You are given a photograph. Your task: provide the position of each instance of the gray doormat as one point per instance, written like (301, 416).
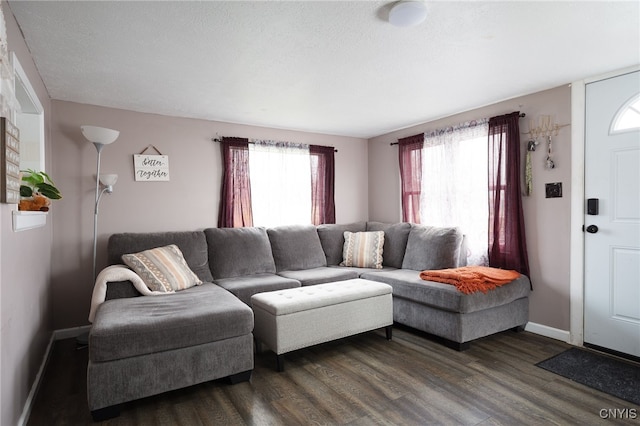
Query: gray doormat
(601, 372)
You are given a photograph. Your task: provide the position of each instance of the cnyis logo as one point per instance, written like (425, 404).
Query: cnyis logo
(619, 413)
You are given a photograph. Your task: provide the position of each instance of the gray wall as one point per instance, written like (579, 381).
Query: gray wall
(25, 260)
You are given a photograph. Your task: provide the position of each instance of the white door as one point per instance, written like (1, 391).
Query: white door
(612, 236)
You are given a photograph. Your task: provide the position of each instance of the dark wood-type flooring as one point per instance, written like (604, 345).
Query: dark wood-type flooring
(361, 380)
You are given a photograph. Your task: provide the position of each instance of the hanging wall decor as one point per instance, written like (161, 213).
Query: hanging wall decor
(151, 167)
(10, 158)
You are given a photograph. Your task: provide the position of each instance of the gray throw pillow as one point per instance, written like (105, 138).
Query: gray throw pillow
(296, 247)
(430, 247)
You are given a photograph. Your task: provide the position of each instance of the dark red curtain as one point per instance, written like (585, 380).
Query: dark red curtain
(410, 155)
(323, 206)
(235, 197)
(507, 241)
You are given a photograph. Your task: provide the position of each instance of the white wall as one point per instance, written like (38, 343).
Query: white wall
(546, 220)
(188, 201)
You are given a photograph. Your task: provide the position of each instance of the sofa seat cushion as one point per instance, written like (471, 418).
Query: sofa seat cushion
(125, 328)
(245, 287)
(407, 284)
(323, 274)
(361, 271)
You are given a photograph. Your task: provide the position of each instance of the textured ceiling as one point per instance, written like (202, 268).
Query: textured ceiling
(335, 67)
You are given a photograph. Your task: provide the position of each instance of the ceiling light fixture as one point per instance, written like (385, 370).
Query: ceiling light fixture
(408, 13)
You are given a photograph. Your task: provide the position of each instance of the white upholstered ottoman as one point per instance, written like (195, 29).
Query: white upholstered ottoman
(286, 320)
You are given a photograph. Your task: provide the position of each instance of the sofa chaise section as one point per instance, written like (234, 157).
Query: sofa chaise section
(440, 309)
(142, 346)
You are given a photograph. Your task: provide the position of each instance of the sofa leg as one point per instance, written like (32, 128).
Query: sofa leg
(245, 376)
(457, 345)
(518, 329)
(388, 331)
(105, 413)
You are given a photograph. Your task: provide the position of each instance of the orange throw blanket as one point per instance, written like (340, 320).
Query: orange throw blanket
(470, 279)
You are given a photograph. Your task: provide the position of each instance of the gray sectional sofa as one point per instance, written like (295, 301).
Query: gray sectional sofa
(141, 346)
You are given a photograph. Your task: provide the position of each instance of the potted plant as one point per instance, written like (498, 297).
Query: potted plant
(37, 191)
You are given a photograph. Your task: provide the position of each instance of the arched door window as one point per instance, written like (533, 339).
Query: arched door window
(628, 117)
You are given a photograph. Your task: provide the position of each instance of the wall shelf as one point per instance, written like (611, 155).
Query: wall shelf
(23, 220)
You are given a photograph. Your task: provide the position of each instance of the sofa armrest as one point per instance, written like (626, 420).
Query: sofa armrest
(121, 290)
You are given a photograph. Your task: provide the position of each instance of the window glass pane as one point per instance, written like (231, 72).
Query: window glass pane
(454, 187)
(280, 185)
(628, 118)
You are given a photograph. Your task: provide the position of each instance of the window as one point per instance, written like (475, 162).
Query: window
(29, 118)
(628, 118)
(454, 184)
(469, 177)
(280, 183)
(269, 183)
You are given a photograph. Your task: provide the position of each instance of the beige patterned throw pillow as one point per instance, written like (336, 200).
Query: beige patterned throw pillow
(162, 269)
(363, 249)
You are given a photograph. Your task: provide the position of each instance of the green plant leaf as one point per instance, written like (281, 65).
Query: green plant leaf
(25, 191)
(47, 177)
(49, 191)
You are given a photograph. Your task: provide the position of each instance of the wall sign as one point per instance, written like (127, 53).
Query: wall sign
(151, 167)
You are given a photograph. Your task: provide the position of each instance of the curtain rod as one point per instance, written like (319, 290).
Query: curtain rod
(217, 139)
(522, 115)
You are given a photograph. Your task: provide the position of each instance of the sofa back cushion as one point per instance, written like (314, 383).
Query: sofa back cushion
(235, 252)
(193, 246)
(395, 241)
(296, 247)
(332, 239)
(430, 247)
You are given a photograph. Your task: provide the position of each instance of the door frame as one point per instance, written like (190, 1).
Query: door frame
(576, 269)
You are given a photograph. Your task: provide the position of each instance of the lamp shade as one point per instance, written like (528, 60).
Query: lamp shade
(99, 135)
(108, 179)
(408, 13)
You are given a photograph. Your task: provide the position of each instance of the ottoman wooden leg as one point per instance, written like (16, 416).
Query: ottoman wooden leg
(280, 362)
(389, 331)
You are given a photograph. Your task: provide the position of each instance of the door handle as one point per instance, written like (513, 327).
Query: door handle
(592, 229)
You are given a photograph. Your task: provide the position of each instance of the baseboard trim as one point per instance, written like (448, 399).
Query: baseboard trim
(545, 330)
(28, 404)
(66, 333)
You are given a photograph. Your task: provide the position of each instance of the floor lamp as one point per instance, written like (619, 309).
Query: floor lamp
(100, 137)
